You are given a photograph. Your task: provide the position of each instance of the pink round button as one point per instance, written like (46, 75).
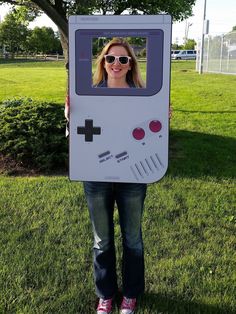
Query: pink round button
(155, 126)
(138, 133)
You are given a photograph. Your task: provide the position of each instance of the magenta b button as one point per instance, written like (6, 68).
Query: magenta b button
(138, 133)
(155, 126)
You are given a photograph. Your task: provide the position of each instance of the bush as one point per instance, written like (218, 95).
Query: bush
(33, 133)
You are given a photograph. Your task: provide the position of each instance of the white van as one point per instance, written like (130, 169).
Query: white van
(174, 52)
(185, 55)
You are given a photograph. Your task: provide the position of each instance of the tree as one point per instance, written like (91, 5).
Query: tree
(13, 34)
(137, 41)
(43, 40)
(234, 28)
(25, 15)
(175, 46)
(190, 44)
(59, 10)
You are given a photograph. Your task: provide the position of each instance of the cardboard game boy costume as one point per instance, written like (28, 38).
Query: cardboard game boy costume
(119, 134)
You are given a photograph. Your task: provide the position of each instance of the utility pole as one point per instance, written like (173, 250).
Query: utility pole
(187, 25)
(202, 39)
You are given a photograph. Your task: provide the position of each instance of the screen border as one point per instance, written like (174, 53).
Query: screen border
(83, 62)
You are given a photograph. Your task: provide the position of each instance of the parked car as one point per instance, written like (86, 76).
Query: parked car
(174, 52)
(184, 55)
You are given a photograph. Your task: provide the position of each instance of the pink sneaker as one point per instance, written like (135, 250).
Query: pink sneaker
(104, 306)
(127, 306)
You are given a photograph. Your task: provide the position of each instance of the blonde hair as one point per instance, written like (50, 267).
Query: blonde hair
(133, 75)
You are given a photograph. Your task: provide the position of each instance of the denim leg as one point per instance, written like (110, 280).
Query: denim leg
(130, 199)
(100, 202)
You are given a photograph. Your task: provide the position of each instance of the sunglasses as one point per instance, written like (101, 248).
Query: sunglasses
(121, 59)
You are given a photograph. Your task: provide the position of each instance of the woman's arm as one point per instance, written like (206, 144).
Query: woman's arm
(67, 107)
(67, 113)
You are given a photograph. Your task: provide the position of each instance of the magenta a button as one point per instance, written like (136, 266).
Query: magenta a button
(155, 126)
(138, 133)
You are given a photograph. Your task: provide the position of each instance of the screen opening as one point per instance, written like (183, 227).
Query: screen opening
(121, 60)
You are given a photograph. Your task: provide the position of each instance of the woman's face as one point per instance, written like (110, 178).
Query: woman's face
(117, 70)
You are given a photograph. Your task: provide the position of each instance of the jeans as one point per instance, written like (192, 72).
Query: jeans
(129, 197)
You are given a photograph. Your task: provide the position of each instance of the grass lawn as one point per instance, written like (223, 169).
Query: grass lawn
(189, 222)
(42, 80)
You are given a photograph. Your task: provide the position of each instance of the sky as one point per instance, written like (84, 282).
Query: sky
(221, 14)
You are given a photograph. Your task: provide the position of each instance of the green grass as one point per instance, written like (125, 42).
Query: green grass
(37, 80)
(189, 220)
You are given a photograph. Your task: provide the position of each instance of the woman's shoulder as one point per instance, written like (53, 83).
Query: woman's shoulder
(101, 84)
(104, 84)
(131, 84)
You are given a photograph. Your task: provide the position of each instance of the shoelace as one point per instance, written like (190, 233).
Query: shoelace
(128, 303)
(104, 305)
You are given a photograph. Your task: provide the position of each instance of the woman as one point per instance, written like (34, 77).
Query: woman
(117, 67)
(117, 73)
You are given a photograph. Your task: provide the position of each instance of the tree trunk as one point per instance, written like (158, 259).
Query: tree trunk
(65, 47)
(57, 14)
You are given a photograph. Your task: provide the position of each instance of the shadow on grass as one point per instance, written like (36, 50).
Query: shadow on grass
(205, 111)
(24, 60)
(194, 154)
(160, 304)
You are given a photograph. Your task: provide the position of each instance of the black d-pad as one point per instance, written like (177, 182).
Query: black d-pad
(88, 130)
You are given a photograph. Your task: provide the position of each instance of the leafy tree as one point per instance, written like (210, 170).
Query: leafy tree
(25, 15)
(57, 48)
(176, 47)
(13, 34)
(137, 41)
(190, 44)
(43, 40)
(59, 10)
(98, 44)
(234, 28)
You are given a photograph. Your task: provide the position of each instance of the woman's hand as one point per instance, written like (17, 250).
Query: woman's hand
(67, 108)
